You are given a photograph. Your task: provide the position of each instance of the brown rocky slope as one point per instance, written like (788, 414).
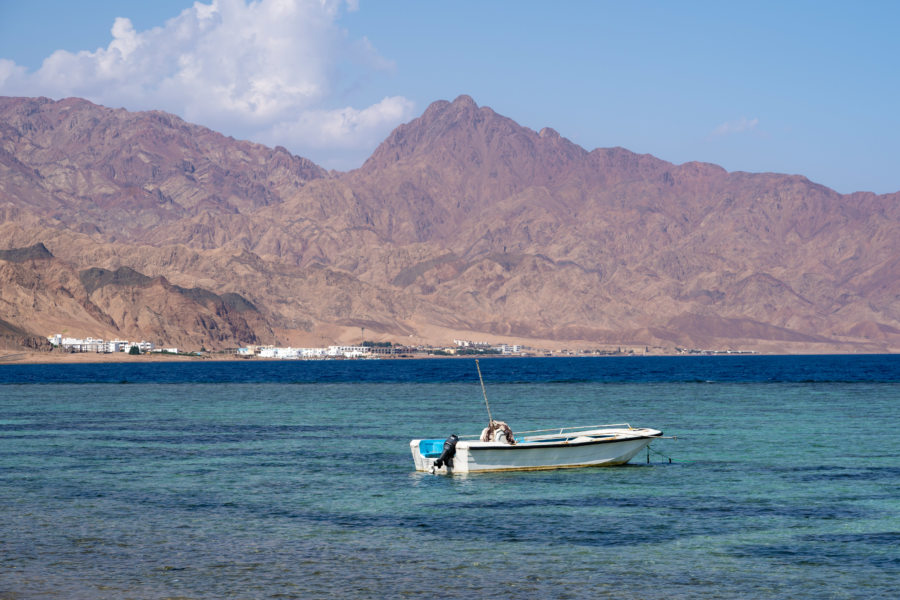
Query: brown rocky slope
(117, 304)
(461, 224)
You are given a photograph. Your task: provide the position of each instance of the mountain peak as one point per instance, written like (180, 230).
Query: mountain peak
(549, 132)
(464, 101)
(463, 108)
(462, 133)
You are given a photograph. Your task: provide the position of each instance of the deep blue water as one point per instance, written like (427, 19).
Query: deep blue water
(294, 480)
(742, 369)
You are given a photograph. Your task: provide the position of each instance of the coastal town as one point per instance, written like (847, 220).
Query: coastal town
(364, 350)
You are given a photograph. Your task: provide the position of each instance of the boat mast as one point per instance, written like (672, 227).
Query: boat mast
(484, 393)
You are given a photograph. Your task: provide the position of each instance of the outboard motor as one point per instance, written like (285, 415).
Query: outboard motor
(446, 457)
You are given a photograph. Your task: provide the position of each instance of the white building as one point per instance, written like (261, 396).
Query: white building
(83, 345)
(281, 353)
(118, 346)
(471, 344)
(509, 348)
(90, 344)
(348, 351)
(312, 352)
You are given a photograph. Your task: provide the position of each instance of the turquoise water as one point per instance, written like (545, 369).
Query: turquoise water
(777, 488)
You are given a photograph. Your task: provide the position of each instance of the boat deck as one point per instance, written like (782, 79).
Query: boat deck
(560, 447)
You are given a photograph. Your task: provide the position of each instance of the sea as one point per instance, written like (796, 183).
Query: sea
(779, 478)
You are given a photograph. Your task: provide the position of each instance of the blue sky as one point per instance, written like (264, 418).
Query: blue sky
(811, 88)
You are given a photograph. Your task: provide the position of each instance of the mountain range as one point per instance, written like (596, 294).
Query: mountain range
(461, 225)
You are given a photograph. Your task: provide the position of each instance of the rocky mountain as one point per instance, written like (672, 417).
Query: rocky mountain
(461, 224)
(114, 304)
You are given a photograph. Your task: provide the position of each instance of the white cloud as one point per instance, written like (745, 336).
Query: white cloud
(268, 70)
(9, 71)
(342, 128)
(741, 125)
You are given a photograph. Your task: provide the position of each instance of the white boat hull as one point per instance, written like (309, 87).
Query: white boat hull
(592, 448)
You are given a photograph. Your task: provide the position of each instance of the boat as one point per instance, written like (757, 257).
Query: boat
(499, 449)
(558, 448)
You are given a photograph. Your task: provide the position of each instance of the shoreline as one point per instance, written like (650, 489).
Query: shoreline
(51, 358)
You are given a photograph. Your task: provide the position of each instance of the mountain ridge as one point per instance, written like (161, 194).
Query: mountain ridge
(461, 223)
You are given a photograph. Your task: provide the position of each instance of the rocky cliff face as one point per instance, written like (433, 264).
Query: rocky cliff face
(461, 224)
(38, 288)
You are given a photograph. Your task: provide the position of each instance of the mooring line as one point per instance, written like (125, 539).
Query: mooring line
(654, 451)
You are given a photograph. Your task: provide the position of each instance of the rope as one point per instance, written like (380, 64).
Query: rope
(649, 450)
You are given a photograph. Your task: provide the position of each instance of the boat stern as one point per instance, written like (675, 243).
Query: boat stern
(426, 452)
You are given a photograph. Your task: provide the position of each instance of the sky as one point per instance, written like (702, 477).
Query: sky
(798, 87)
